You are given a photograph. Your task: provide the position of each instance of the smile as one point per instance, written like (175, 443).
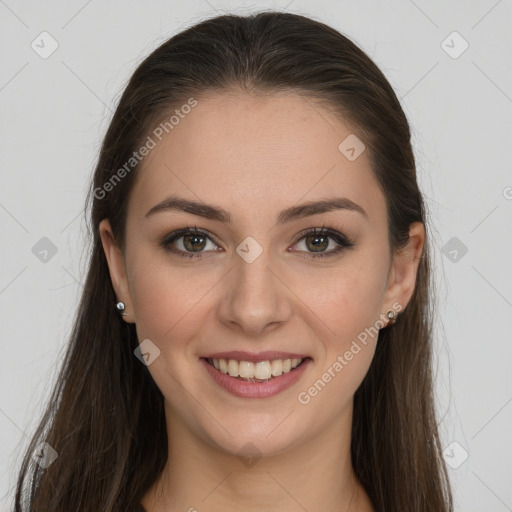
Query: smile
(255, 379)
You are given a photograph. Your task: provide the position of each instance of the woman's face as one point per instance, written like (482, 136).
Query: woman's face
(255, 281)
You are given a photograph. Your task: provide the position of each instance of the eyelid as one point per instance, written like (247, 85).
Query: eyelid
(342, 241)
(322, 231)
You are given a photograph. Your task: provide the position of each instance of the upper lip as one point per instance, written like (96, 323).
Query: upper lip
(253, 357)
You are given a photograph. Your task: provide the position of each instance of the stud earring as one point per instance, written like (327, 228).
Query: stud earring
(391, 316)
(120, 308)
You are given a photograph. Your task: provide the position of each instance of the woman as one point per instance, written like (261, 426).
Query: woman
(255, 328)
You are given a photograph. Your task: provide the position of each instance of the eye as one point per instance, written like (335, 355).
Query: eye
(319, 240)
(188, 243)
(193, 243)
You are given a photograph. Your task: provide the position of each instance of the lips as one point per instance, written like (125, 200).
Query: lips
(252, 388)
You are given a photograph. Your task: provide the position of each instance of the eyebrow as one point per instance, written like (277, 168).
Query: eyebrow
(174, 203)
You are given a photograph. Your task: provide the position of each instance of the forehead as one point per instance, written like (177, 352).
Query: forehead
(235, 149)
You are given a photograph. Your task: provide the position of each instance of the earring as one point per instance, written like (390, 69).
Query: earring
(391, 316)
(120, 308)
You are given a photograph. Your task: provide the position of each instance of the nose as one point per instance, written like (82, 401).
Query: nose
(255, 299)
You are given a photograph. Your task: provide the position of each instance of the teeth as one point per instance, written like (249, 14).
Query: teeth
(262, 370)
(245, 369)
(233, 368)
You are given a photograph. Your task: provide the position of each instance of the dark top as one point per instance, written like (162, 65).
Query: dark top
(139, 508)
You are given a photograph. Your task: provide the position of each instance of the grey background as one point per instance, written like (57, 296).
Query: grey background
(55, 112)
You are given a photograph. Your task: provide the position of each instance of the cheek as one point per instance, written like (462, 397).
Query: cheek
(347, 299)
(349, 304)
(169, 300)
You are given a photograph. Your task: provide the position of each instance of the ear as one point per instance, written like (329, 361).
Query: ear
(404, 268)
(117, 269)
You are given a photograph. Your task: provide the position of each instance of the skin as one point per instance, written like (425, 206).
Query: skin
(242, 152)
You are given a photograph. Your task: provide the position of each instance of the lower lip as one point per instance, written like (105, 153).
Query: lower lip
(256, 389)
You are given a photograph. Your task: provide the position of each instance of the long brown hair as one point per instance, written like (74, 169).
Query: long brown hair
(105, 418)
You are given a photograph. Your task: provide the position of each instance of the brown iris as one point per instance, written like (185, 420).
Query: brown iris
(193, 242)
(318, 245)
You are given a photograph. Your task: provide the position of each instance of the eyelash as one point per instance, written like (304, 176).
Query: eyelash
(342, 241)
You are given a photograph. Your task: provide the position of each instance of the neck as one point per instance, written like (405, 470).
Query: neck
(316, 475)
